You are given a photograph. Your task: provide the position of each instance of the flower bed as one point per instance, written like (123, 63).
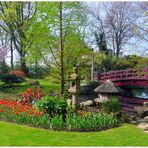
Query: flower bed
(31, 95)
(20, 113)
(27, 114)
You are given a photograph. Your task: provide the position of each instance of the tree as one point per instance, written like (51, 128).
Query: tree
(3, 52)
(101, 42)
(60, 44)
(113, 19)
(118, 19)
(141, 27)
(15, 18)
(3, 55)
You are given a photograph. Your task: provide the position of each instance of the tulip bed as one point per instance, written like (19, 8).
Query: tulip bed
(14, 111)
(21, 113)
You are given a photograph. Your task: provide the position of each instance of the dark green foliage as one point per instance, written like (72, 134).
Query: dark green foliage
(89, 88)
(101, 42)
(111, 106)
(10, 79)
(37, 72)
(110, 63)
(4, 68)
(66, 93)
(53, 105)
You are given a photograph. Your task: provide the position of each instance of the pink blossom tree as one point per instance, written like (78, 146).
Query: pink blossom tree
(3, 52)
(3, 55)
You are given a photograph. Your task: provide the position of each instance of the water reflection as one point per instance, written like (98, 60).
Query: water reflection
(140, 93)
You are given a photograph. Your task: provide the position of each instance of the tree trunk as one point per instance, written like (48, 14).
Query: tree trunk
(92, 69)
(62, 52)
(118, 51)
(11, 61)
(36, 67)
(23, 64)
(117, 45)
(114, 50)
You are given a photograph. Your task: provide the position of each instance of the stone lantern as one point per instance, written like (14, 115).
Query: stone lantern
(74, 86)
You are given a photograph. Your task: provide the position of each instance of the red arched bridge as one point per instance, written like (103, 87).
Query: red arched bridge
(130, 77)
(126, 77)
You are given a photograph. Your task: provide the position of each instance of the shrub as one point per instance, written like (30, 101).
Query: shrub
(53, 105)
(89, 88)
(111, 105)
(4, 68)
(37, 72)
(10, 79)
(18, 73)
(66, 93)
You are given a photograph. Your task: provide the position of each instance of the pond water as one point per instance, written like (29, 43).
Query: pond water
(140, 92)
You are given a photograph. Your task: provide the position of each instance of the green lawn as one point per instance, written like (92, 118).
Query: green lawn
(17, 135)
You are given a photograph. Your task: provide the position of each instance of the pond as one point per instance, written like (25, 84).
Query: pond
(140, 92)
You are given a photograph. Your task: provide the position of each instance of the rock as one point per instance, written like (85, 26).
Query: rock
(145, 112)
(146, 119)
(97, 100)
(142, 111)
(143, 126)
(141, 121)
(145, 104)
(87, 103)
(133, 117)
(133, 122)
(139, 110)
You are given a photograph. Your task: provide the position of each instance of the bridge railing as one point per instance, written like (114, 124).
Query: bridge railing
(124, 74)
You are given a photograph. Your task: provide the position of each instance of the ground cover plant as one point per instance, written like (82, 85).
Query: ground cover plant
(111, 105)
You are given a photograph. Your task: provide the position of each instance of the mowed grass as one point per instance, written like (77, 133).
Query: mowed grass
(18, 135)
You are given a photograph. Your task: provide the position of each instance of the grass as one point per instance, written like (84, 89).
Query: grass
(16, 91)
(18, 135)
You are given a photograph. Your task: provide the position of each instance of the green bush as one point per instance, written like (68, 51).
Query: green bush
(88, 89)
(66, 93)
(4, 68)
(10, 79)
(37, 72)
(53, 105)
(111, 106)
